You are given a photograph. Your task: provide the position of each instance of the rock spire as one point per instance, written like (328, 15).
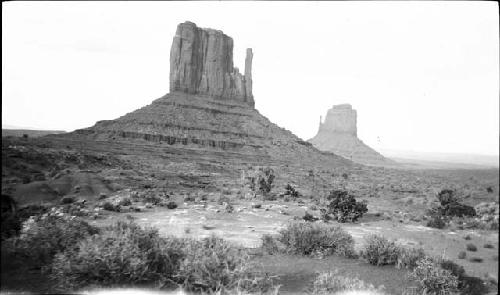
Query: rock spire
(201, 62)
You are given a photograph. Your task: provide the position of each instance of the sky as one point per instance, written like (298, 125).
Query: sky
(423, 76)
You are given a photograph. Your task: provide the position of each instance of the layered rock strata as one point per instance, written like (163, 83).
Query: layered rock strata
(209, 110)
(338, 134)
(201, 62)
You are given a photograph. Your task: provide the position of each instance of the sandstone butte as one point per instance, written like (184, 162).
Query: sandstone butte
(338, 134)
(208, 111)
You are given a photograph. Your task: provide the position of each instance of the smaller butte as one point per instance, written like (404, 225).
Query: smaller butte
(338, 134)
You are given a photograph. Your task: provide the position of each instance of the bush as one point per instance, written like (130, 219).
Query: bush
(344, 207)
(408, 257)
(462, 255)
(437, 221)
(488, 246)
(455, 269)
(110, 207)
(476, 259)
(433, 279)
(306, 238)
(471, 247)
(309, 217)
(380, 251)
(446, 196)
(467, 237)
(263, 181)
(44, 236)
(270, 245)
(125, 202)
(211, 265)
(171, 205)
(291, 191)
(458, 209)
(123, 253)
(332, 282)
(450, 205)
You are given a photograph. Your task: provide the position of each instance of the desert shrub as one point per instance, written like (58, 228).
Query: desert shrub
(458, 209)
(271, 245)
(344, 207)
(450, 205)
(473, 286)
(332, 282)
(151, 197)
(229, 208)
(44, 236)
(211, 264)
(471, 247)
(309, 217)
(462, 255)
(67, 200)
(255, 283)
(291, 191)
(123, 253)
(455, 269)
(263, 181)
(110, 207)
(489, 189)
(324, 215)
(189, 199)
(476, 259)
(307, 238)
(408, 257)
(467, 237)
(437, 221)
(433, 279)
(171, 205)
(488, 246)
(446, 196)
(125, 202)
(379, 250)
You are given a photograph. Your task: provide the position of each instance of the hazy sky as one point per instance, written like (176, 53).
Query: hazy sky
(423, 76)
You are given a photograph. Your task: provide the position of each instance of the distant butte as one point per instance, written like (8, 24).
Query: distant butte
(338, 134)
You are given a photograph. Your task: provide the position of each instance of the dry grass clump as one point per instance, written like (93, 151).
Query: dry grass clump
(307, 238)
(123, 253)
(334, 283)
(408, 257)
(43, 236)
(380, 251)
(471, 247)
(432, 278)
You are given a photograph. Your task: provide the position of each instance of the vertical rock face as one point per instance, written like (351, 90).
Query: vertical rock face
(338, 134)
(201, 62)
(340, 118)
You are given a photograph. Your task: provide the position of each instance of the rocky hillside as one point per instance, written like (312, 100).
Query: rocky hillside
(210, 107)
